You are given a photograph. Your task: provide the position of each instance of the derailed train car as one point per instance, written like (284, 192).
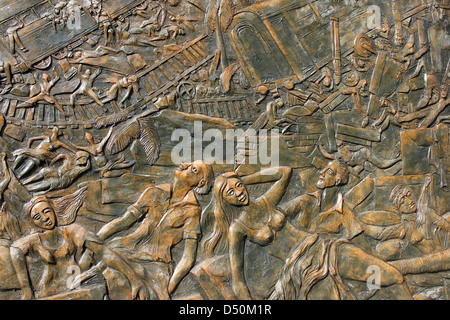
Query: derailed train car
(278, 40)
(35, 29)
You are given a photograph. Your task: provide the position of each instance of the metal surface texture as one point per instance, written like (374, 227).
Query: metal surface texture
(224, 149)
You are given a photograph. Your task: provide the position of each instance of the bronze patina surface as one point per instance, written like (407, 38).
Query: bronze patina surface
(224, 149)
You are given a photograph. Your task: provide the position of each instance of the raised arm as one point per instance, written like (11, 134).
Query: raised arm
(31, 140)
(53, 82)
(58, 158)
(60, 144)
(75, 147)
(96, 73)
(280, 175)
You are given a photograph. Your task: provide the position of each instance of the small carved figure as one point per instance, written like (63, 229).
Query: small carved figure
(54, 178)
(97, 150)
(85, 87)
(44, 94)
(14, 38)
(42, 154)
(130, 84)
(171, 31)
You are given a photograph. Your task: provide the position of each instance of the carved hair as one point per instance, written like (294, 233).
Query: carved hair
(65, 207)
(224, 215)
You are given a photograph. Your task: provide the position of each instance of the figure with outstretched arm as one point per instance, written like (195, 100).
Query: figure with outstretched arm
(55, 226)
(31, 158)
(85, 88)
(263, 221)
(45, 86)
(167, 214)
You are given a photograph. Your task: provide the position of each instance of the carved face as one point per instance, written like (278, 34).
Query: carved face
(192, 174)
(235, 192)
(406, 204)
(82, 158)
(43, 215)
(328, 176)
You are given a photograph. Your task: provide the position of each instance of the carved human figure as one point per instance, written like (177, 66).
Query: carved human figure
(42, 154)
(80, 56)
(388, 115)
(430, 113)
(355, 157)
(58, 240)
(97, 150)
(44, 94)
(9, 231)
(133, 36)
(171, 31)
(167, 214)
(414, 223)
(14, 39)
(85, 87)
(130, 84)
(262, 221)
(53, 178)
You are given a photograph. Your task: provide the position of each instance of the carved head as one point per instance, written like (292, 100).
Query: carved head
(47, 213)
(42, 213)
(335, 173)
(230, 194)
(81, 158)
(198, 174)
(230, 189)
(402, 199)
(132, 79)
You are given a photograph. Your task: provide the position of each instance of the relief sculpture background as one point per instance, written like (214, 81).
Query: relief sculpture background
(224, 149)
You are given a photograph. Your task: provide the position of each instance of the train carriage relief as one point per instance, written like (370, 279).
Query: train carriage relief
(224, 150)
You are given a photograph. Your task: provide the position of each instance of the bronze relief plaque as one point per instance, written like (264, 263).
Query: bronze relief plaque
(224, 149)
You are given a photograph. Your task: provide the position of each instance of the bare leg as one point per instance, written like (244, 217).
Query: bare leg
(52, 100)
(93, 95)
(73, 97)
(112, 94)
(30, 102)
(354, 264)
